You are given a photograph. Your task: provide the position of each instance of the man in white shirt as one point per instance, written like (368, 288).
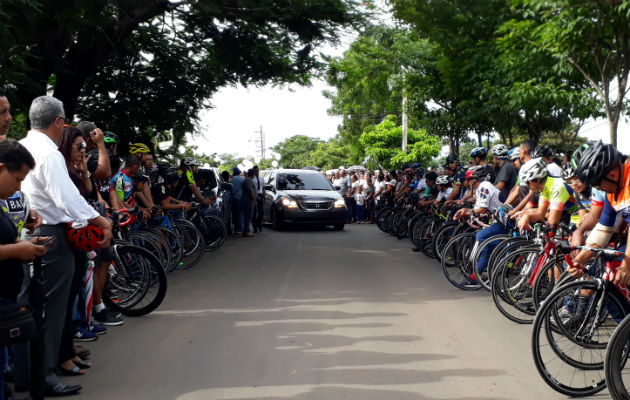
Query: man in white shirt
(259, 185)
(55, 197)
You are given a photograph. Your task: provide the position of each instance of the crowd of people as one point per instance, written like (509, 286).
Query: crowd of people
(57, 186)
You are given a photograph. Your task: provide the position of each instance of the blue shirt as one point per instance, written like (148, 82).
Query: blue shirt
(123, 185)
(237, 187)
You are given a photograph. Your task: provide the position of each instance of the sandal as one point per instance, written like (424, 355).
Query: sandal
(82, 352)
(75, 371)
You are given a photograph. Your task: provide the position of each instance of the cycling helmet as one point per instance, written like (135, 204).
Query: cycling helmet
(568, 171)
(110, 138)
(451, 158)
(596, 162)
(84, 239)
(479, 152)
(500, 150)
(188, 161)
(138, 148)
(542, 151)
(534, 169)
(442, 180)
(170, 176)
(431, 176)
(416, 165)
(577, 154)
(477, 172)
(196, 162)
(514, 154)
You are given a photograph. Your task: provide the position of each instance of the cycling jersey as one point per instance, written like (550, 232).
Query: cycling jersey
(160, 193)
(458, 180)
(487, 196)
(123, 185)
(431, 191)
(182, 190)
(617, 205)
(597, 197)
(16, 209)
(443, 195)
(558, 196)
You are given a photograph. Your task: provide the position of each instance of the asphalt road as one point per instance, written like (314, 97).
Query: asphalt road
(316, 315)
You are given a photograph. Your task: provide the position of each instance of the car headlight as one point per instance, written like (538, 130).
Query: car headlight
(340, 203)
(288, 203)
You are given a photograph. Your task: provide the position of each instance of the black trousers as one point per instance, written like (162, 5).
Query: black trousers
(257, 219)
(66, 349)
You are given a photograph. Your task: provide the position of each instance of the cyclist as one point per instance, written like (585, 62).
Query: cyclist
(555, 196)
(444, 189)
(122, 182)
(515, 157)
(479, 155)
(506, 179)
(546, 154)
(457, 174)
(486, 194)
(163, 192)
(604, 167)
(139, 149)
(187, 188)
(431, 191)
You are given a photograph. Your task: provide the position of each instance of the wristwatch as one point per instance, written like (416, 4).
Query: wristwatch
(86, 175)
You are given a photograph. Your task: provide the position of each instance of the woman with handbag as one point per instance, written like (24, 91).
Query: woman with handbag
(15, 164)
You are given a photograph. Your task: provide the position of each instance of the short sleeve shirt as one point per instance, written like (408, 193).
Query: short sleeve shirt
(160, 192)
(123, 185)
(248, 184)
(487, 196)
(16, 209)
(444, 194)
(558, 196)
(507, 174)
(11, 273)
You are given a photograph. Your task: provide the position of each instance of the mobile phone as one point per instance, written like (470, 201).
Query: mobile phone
(46, 242)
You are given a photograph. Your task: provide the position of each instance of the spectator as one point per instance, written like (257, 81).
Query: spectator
(507, 176)
(15, 164)
(259, 183)
(248, 201)
(359, 198)
(237, 198)
(58, 201)
(5, 115)
(98, 163)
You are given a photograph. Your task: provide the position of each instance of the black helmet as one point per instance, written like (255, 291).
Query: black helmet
(477, 172)
(110, 138)
(479, 152)
(451, 158)
(577, 154)
(170, 176)
(597, 161)
(431, 176)
(542, 151)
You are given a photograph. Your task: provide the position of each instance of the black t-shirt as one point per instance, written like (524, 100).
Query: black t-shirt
(11, 273)
(491, 174)
(103, 186)
(160, 192)
(509, 175)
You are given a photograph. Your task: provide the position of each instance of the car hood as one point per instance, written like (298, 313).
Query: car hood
(311, 195)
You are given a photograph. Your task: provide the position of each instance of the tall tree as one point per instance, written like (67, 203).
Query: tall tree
(64, 45)
(591, 37)
(296, 151)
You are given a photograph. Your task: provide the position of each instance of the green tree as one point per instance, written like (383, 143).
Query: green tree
(295, 152)
(331, 154)
(146, 67)
(592, 38)
(383, 145)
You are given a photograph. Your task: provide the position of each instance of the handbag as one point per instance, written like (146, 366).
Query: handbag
(16, 323)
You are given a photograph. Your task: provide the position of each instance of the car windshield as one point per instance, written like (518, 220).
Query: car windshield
(302, 181)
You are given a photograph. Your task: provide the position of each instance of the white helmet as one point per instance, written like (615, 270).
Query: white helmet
(534, 169)
(500, 150)
(514, 154)
(442, 180)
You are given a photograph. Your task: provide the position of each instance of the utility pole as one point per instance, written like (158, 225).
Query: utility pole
(260, 142)
(404, 122)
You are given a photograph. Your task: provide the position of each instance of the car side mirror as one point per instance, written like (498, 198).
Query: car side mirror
(270, 187)
(337, 187)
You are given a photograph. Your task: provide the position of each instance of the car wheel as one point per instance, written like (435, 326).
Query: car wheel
(339, 227)
(276, 223)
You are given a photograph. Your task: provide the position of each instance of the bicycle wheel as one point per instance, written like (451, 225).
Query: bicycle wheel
(381, 217)
(548, 279)
(213, 230)
(504, 248)
(136, 283)
(426, 239)
(569, 352)
(484, 278)
(441, 238)
(193, 243)
(510, 291)
(617, 375)
(154, 242)
(456, 263)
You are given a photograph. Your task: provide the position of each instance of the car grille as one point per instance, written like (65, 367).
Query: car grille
(317, 205)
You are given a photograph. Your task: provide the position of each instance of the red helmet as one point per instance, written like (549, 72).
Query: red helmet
(84, 239)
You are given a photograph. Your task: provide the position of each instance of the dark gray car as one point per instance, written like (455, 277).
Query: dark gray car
(302, 196)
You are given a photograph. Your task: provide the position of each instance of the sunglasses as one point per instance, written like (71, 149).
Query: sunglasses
(80, 146)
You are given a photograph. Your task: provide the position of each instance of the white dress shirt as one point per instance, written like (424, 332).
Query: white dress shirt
(48, 186)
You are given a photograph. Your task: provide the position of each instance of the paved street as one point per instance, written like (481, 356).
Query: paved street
(316, 315)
